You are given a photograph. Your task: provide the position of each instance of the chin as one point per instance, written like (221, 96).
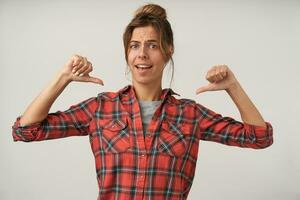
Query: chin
(143, 81)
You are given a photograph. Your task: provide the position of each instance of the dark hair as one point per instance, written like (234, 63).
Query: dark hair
(155, 16)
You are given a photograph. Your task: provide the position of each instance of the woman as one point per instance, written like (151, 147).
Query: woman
(145, 141)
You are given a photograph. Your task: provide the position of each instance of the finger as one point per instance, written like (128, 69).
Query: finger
(77, 63)
(96, 80)
(204, 89)
(76, 68)
(85, 61)
(88, 70)
(71, 62)
(223, 71)
(76, 56)
(218, 74)
(209, 75)
(212, 76)
(76, 59)
(80, 64)
(81, 70)
(90, 79)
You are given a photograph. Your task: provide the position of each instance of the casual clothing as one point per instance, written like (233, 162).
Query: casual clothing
(159, 166)
(147, 109)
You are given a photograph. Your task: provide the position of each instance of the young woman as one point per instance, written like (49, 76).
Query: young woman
(144, 140)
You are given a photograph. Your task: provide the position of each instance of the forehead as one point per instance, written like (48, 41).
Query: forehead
(144, 34)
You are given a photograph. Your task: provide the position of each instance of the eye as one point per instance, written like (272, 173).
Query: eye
(153, 46)
(133, 46)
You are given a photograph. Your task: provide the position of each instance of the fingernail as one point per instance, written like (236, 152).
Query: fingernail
(77, 73)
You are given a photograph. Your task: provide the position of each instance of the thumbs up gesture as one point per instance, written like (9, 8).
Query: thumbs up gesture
(220, 77)
(78, 68)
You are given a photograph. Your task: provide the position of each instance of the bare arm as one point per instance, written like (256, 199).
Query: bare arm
(222, 78)
(247, 109)
(76, 69)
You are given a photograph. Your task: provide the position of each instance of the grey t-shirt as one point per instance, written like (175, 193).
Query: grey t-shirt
(147, 110)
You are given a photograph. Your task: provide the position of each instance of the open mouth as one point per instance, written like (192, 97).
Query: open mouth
(143, 67)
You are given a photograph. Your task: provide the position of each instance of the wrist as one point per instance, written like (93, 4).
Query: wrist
(234, 88)
(63, 78)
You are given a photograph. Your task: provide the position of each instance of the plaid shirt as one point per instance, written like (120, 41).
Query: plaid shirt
(131, 166)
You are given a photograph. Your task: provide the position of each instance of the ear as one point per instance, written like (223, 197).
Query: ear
(171, 49)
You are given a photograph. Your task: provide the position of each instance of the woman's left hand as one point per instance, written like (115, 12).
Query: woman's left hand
(220, 77)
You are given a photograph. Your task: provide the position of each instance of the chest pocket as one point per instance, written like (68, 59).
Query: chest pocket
(172, 139)
(115, 135)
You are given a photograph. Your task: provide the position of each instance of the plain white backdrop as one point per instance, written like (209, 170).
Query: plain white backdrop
(259, 40)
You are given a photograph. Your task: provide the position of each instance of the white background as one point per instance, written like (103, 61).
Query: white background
(259, 40)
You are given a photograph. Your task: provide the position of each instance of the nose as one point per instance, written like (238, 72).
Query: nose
(143, 53)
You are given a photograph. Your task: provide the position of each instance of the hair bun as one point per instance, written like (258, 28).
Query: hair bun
(152, 9)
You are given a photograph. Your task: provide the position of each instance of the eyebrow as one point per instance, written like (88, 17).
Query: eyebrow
(146, 41)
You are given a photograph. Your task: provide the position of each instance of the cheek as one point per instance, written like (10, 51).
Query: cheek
(131, 57)
(159, 59)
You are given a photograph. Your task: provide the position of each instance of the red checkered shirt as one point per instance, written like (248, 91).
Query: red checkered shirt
(131, 166)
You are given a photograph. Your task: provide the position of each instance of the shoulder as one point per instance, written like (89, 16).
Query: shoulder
(108, 96)
(115, 96)
(181, 108)
(182, 101)
(187, 105)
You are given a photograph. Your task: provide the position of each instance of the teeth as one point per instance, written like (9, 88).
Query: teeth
(143, 66)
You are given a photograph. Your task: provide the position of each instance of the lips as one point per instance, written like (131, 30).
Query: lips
(143, 66)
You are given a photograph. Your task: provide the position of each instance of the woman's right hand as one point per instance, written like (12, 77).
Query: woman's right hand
(78, 68)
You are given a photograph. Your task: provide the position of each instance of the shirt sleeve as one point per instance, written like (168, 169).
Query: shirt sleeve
(73, 122)
(226, 130)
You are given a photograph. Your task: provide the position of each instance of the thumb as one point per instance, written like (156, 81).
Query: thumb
(204, 89)
(90, 79)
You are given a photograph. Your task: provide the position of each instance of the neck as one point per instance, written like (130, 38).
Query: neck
(146, 92)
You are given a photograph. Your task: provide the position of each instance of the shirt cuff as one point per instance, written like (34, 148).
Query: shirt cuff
(24, 133)
(263, 136)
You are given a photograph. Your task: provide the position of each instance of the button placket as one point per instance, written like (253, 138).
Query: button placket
(142, 163)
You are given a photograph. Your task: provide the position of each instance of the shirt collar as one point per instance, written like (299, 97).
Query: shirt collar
(129, 90)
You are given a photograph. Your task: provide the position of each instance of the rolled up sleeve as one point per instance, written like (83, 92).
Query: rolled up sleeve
(73, 122)
(228, 131)
(24, 133)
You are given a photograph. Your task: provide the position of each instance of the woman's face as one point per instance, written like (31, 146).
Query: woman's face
(145, 58)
